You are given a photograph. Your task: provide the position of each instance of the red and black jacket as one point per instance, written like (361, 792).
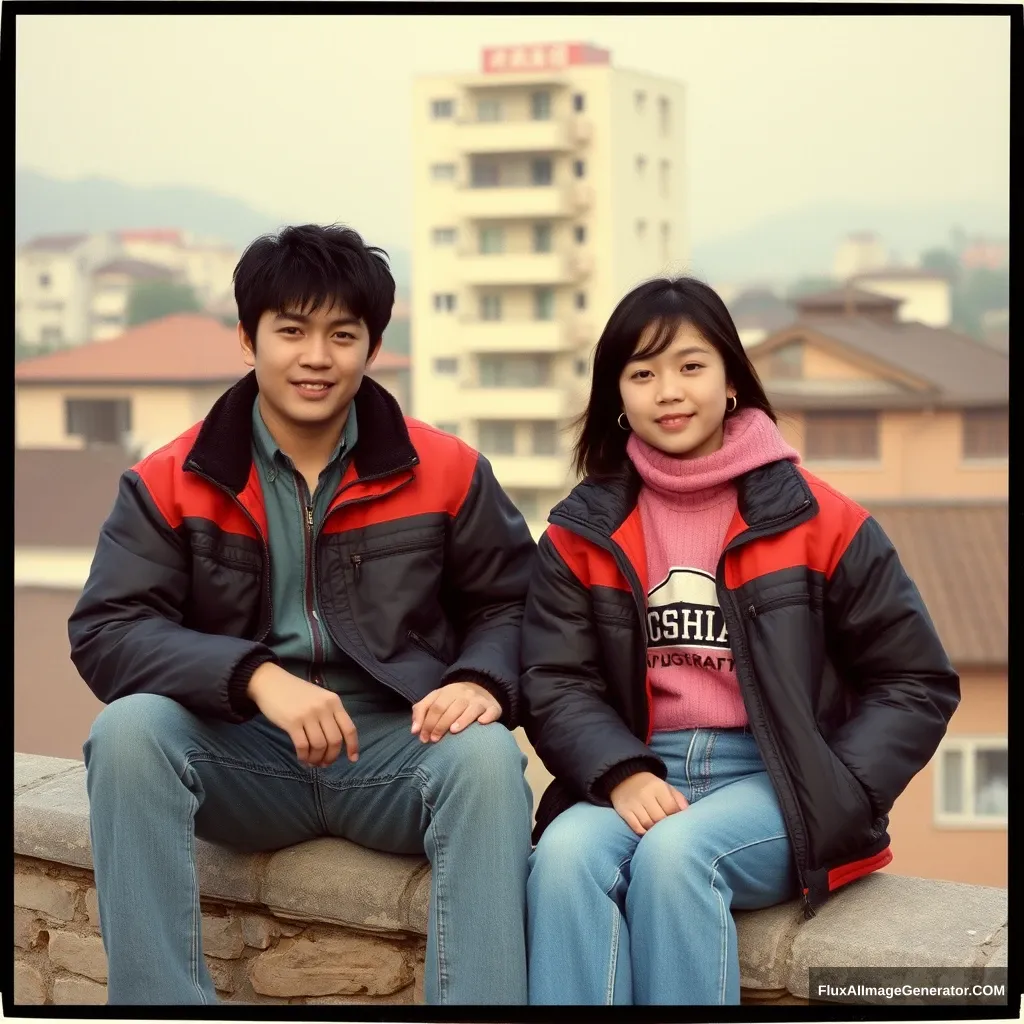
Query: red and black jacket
(421, 566)
(845, 682)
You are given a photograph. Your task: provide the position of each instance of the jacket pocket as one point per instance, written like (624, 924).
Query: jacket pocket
(417, 641)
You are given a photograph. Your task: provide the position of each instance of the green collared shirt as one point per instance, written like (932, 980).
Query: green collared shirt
(297, 634)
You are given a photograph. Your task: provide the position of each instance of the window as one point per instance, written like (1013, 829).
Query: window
(448, 428)
(666, 240)
(527, 503)
(492, 240)
(664, 115)
(579, 103)
(98, 420)
(44, 280)
(485, 173)
(785, 363)
(514, 371)
(442, 172)
(641, 165)
(542, 238)
(581, 300)
(540, 171)
(441, 109)
(496, 437)
(444, 302)
(545, 437)
(579, 168)
(971, 781)
(51, 335)
(580, 234)
(639, 100)
(641, 229)
(543, 304)
(581, 367)
(986, 433)
(490, 307)
(842, 435)
(446, 367)
(443, 236)
(664, 177)
(488, 110)
(540, 106)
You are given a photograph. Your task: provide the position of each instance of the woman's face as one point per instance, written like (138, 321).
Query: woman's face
(675, 401)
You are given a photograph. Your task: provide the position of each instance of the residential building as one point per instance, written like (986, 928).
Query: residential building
(112, 285)
(546, 186)
(859, 253)
(756, 312)
(142, 388)
(925, 294)
(987, 253)
(912, 422)
(52, 287)
(206, 264)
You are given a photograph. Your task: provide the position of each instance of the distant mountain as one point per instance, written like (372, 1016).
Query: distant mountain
(45, 205)
(802, 242)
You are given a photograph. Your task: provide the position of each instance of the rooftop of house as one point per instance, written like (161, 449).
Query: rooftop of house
(185, 348)
(140, 270)
(54, 243)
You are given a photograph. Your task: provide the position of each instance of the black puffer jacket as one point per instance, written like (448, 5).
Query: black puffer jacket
(845, 682)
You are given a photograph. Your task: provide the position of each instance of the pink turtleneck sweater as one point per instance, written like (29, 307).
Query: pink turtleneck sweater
(686, 506)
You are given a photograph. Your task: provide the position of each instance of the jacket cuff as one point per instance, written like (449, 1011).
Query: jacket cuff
(492, 686)
(623, 770)
(241, 704)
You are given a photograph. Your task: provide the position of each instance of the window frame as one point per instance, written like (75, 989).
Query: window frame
(968, 746)
(989, 458)
(848, 461)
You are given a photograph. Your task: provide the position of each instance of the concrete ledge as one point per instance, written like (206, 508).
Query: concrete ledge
(329, 921)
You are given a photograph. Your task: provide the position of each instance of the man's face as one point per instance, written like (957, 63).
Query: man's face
(309, 364)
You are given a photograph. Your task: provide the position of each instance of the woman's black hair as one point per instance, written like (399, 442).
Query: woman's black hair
(312, 267)
(665, 303)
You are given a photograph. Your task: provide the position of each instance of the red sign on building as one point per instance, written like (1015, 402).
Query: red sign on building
(542, 57)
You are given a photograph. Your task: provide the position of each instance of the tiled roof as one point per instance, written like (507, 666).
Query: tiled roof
(171, 235)
(183, 348)
(840, 296)
(61, 497)
(139, 269)
(957, 555)
(54, 243)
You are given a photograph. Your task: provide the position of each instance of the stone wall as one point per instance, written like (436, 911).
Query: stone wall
(330, 922)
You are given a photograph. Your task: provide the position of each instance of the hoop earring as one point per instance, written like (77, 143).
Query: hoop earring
(622, 426)
(735, 402)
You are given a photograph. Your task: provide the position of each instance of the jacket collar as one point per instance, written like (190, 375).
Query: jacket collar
(223, 447)
(769, 495)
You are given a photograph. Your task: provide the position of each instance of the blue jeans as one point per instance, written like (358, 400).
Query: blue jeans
(158, 776)
(614, 918)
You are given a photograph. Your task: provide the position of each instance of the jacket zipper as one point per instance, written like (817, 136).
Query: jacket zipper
(422, 644)
(309, 593)
(265, 574)
(357, 560)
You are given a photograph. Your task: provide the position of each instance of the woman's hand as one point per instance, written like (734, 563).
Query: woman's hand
(643, 799)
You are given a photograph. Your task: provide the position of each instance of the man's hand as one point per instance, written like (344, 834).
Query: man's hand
(452, 708)
(643, 799)
(314, 718)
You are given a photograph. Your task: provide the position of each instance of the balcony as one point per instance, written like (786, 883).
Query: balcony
(551, 136)
(534, 201)
(523, 268)
(480, 403)
(515, 335)
(531, 471)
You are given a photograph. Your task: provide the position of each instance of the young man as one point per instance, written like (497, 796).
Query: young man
(302, 574)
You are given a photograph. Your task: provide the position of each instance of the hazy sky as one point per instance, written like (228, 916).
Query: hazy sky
(307, 117)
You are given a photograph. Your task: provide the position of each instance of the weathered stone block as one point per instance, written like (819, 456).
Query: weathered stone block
(889, 920)
(417, 994)
(222, 937)
(50, 896)
(224, 974)
(29, 987)
(258, 931)
(765, 938)
(81, 954)
(403, 997)
(29, 930)
(340, 965)
(79, 992)
(92, 907)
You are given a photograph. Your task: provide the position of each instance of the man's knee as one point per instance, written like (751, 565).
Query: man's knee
(483, 761)
(128, 728)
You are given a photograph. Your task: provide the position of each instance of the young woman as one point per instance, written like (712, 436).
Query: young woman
(727, 671)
